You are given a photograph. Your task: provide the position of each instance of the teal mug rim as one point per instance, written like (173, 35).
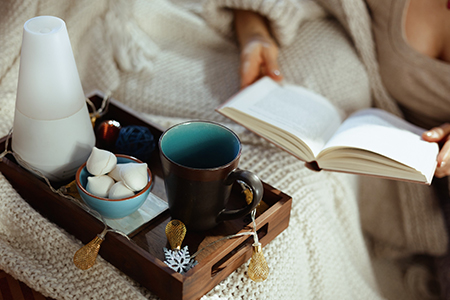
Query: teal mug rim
(202, 169)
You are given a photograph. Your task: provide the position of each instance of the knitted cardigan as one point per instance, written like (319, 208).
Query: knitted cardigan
(162, 59)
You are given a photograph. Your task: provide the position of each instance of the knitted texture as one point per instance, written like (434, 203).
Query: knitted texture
(172, 66)
(285, 16)
(40, 254)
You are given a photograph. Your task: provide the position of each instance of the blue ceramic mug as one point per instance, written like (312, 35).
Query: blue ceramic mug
(199, 161)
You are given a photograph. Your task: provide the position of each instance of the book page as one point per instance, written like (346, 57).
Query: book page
(294, 109)
(385, 134)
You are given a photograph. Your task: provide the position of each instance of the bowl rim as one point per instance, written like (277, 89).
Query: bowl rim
(147, 187)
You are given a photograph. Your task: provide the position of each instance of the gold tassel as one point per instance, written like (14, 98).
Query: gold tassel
(85, 257)
(71, 190)
(175, 232)
(258, 270)
(261, 207)
(93, 120)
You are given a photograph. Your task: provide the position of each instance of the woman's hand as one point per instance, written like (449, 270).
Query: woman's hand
(259, 52)
(440, 135)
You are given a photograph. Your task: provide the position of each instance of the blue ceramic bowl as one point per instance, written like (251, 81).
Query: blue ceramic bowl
(113, 208)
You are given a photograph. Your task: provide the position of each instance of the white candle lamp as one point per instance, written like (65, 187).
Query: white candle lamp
(52, 130)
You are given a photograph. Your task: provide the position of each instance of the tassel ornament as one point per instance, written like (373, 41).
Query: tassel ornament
(85, 257)
(258, 270)
(175, 233)
(177, 259)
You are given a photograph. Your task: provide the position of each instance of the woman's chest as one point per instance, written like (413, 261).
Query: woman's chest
(411, 43)
(427, 27)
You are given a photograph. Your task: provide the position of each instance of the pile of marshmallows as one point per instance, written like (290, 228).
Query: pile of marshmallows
(112, 180)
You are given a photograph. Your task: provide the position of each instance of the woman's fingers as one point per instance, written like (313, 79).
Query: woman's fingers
(443, 160)
(270, 57)
(436, 134)
(440, 134)
(250, 63)
(259, 58)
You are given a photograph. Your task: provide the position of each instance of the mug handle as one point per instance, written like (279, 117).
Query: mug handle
(255, 185)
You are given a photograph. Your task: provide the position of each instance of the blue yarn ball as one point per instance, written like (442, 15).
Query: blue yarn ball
(136, 141)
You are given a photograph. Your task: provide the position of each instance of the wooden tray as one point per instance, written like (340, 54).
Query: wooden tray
(142, 258)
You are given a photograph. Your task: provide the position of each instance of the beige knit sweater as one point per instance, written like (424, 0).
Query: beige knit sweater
(162, 59)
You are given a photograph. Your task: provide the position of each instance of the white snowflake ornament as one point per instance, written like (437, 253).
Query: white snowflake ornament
(179, 260)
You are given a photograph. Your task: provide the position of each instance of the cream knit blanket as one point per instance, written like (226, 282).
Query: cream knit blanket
(162, 59)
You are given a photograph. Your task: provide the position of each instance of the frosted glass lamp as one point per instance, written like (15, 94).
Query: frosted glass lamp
(52, 130)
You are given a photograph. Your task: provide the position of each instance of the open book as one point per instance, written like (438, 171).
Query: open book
(305, 124)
